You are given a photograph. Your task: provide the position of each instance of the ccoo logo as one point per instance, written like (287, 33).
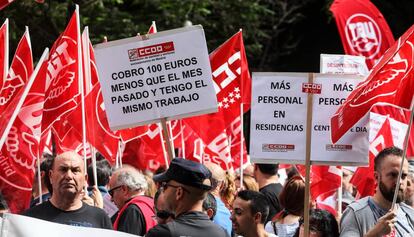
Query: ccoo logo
(363, 35)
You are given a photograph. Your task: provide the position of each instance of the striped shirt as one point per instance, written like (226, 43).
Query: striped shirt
(403, 226)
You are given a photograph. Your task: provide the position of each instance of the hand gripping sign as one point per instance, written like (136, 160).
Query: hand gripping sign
(162, 75)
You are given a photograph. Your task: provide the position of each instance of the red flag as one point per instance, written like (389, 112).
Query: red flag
(152, 29)
(391, 81)
(4, 51)
(62, 88)
(146, 152)
(20, 71)
(5, 3)
(233, 86)
(363, 29)
(363, 178)
(21, 147)
(98, 133)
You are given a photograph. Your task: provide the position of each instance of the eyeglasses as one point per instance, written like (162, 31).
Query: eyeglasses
(112, 190)
(165, 185)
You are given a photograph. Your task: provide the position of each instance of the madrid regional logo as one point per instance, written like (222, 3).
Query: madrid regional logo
(363, 35)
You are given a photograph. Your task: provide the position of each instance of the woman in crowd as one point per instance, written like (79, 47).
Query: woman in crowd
(321, 224)
(286, 222)
(249, 183)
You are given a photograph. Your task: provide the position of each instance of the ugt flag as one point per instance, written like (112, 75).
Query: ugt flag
(391, 81)
(362, 28)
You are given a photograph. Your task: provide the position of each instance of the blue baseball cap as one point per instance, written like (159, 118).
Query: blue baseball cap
(186, 172)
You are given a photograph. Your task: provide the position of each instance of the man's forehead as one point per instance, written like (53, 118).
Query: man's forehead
(67, 159)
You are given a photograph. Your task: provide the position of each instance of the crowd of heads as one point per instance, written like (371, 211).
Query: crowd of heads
(185, 185)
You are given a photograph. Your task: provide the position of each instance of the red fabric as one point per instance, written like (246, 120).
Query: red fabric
(21, 149)
(233, 85)
(363, 29)
(19, 73)
(146, 205)
(391, 81)
(146, 152)
(5, 3)
(62, 88)
(3, 53)
(363, 178)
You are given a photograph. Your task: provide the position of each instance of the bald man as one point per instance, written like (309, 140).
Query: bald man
(68, 178)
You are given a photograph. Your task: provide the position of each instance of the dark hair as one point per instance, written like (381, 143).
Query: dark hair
(210, 203)
(46, 166)
(269, 169)
(103, 173)
(384, 153)
(293, 195)
(323, 222)
(258, 203)
(3, 203)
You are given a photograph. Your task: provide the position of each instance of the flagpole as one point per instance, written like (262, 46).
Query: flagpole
(39, 181)
(182, 138)
(171, 137)
(308, 161)
(339, 199)
(164, 150)
(167, 140)
(241, 144)
(23, 97)
(6, 51)
(95, 173)
(407, 137)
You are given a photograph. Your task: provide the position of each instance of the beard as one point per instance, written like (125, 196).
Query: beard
(388, 193)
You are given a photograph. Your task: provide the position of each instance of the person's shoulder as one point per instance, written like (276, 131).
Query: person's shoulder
(38, 209)
(92, 209)
(359, 204)
(160, 230)
(407, 209)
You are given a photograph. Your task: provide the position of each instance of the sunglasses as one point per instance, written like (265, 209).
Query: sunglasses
(112, 190)
(165, 185)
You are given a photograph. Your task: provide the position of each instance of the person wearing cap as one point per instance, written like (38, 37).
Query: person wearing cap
(222, 217)
(136, 211)
(185, 185)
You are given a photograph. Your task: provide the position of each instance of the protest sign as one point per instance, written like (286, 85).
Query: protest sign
(343, 64)
(22, 226)
(162, 75)
(279, 118)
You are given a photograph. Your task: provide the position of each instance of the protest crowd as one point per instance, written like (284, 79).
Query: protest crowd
(79, 145)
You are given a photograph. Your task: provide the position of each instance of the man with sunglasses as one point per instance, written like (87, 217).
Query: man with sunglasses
(136, 211)
(185, 185)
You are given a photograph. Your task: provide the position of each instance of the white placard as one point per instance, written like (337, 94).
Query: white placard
(352, 148)
(22, 226)
(343, 64)
(284, 146)
(163, 75)
(278, 118)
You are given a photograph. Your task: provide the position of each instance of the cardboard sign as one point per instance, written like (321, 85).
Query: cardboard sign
(279, 117)
(162, 75)
(343, 64)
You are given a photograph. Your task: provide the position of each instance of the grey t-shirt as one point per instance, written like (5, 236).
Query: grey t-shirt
(363, 214)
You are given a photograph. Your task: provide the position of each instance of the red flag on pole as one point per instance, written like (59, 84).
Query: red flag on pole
(62, 90)
(21, 145)
(363, 29)
(20, 71)
(4, 52)
(391, 81)
(363, 178)
(232, 84)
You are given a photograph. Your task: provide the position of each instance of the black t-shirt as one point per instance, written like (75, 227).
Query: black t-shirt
(87, 216)
(190, 224)
(272, 191)
(132, 221)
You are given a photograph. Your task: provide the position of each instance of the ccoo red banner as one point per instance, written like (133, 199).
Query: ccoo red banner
(363, 29)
